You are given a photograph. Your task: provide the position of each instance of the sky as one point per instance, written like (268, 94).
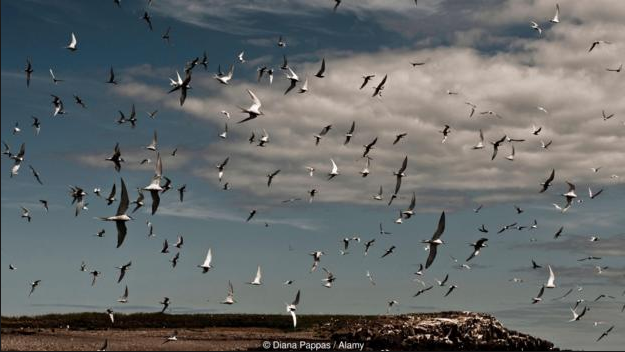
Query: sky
(485, 51)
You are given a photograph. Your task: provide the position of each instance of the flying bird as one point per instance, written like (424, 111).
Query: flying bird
(29, 71)
(72, 46)
(556, 16)
(120, 218)
(319, 74)
(435, 241)
(206, 266)
(477, 246)
(377, 91)
(366, 80)
(291, 308)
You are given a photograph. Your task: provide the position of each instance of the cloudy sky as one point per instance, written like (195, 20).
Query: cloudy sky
(485, 51)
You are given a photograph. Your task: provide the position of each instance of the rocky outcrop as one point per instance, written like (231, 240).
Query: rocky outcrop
(437, 331)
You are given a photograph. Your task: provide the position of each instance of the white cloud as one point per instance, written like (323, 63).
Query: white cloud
(574, 89)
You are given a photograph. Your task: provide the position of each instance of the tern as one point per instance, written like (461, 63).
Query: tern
(271, 176)
(264, 139)
(122, 271)
(350, 133)
(597, 42)
(577, 317)
(293, 78)
(139, 202)
(369, 146)
(410, 211)
(556, 17)
(366, 80)
(240, 57)
(511, 156)
(153, 146)
(552, 277)
(537, 28)
(304, 87)
(165, 35)
(388, 251)
(148, 19)
(506, 227)
(594, 195)
(311, 194)
(224, 134)
(38, 177)
(316, 259)
(377, 91)
(618, 70)
(311, 171)
(435, 241)
(120, 216)
(422, 291)
(496, 145)
(26, 214)
(166, 302)
(174, 260)
(257, 278)
(323, 132)
(254, 110)
(334, 171)
(545, 185)
(398, 176)
(538, 297)
(329, 279)
(29, 71)
(545, 145)
(368, 245)
(535, 266)
(536, 130)
(78, 100)
(281, 42)
(111, 315)
(224, 79)
(400, 219)
(319, 74)
(605, 333)
(111, 197)
(165, 248)
(44, 203)
(477, 246)
(251, 215)
(105, 345)
(116, 158)
(155, 185)
(171, 338)
(479, 207)
(221, 167)
(365, 172)
(480, 144)
(483, 229)
(17, 158)
(72, 46)
(442, 282)
(111, 79)
(54, 79)
(33, 286)
(95, 274)
(382, 232)
(206, 266)
(606, 117)
(124, 297)
(291, 308)
(451, 288)
(379, 195)
(230, 297)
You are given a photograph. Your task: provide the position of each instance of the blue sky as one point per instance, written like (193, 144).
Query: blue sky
(483, 50)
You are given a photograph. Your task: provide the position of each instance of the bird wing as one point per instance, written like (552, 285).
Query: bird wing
(431, 256)
(440, 228)
(121, 232)
(123, 202)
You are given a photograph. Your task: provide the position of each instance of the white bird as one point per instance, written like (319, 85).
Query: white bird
(153, 145)
(225, 79)
(254, 110)
(257, 278)
(54, 79)
(556, 17)
(264, 139)
(538, 297)
(542, 109)
(378, 196)
(230, 297)
(334, 171)
(124, 297)
(536, 27)
(291, 308)
(224, 134)
(206, 266)
(120, 218)
(480, 144)
(240, 57)
(293, 78)
(221, 167)
(594, 195)
(316, 258)
(111, 315)
(435, 241)
(311, 171)
(511, 156)
(576, 316)
(155, 185)
(225, 113)
(364, 172)
(304, 87)
(72, 44)
(552, 278)
(26, 214)
(370, 277)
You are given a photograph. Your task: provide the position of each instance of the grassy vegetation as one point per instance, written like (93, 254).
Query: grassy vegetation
(99, 321)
